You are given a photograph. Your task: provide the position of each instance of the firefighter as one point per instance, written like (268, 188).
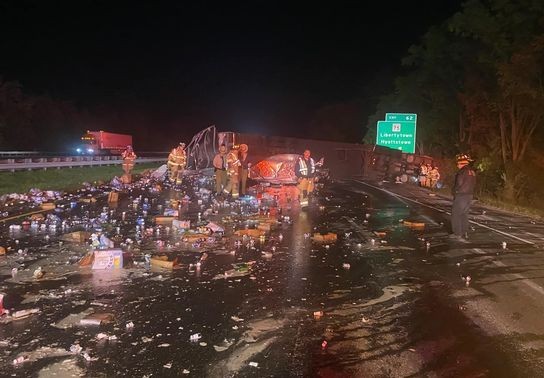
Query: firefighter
(433, 176)
(177, 161)
(220, 166)
(245, 165)
(305, 172)
(128, 160)
(463, 189)
(423, 175)
(233, 170)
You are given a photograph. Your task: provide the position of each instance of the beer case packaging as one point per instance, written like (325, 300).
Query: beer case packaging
(164, 220)
(108, 259)
(48, 206)
(113, 197)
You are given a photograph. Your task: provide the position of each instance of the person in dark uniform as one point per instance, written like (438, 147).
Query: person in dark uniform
(463, 190)
(245, 166)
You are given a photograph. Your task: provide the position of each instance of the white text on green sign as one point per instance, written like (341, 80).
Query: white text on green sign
(401, 117)
(397, 135)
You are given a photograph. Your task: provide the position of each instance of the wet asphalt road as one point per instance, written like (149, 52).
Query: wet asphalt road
(400, 308)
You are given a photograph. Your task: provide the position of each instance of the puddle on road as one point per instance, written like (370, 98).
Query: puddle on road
(257, 321)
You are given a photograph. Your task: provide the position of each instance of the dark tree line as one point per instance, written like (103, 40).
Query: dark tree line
(37, 122)
(477, 84)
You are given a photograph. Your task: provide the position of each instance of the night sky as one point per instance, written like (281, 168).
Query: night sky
(173, 68)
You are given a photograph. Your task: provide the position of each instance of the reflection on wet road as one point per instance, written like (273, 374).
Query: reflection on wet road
(384, 299)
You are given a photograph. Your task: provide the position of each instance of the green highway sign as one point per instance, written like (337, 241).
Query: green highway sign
(401, 117)
(397, 135)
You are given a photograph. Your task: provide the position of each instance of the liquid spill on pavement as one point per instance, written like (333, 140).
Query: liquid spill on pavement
(364, 305)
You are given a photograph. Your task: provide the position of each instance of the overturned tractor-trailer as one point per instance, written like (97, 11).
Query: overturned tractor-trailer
(274, 157)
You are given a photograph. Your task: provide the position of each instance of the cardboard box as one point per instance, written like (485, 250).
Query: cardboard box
(419, 226)
(88, 200)
(163, 263)
(76, 237)
(161, 219)
(48, 206)
(191, 238)
(113, 197)
(325, 238)
(108, 259)
(181, 224)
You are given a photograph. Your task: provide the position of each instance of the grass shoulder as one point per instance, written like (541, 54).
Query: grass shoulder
(62, 179)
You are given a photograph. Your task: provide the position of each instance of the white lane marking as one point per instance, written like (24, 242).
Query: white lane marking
(446, 212)
(527, 281)
(540, 236)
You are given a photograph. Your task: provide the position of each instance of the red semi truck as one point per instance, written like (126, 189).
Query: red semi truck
(102, 142)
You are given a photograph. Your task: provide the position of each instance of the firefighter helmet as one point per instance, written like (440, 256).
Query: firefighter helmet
(463, 158)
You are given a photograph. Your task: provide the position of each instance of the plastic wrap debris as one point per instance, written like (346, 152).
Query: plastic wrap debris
(171, 213)
(38, 273)
(22, 314)
(40, 353)
(160, 173)
(105, 242)
(73, 319)
(215, 228)
(76, 349)
(116, 182)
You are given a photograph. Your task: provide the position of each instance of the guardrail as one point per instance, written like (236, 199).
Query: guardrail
(19, 153)
(22, 154)
(29, 164)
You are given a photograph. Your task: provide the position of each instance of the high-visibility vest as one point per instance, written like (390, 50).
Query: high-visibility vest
(303, 167)
(129, 157)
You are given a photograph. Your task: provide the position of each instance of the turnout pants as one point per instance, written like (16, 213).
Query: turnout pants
(128, 166)
(220, 180)
(305, 187)
(459, 214)
(232, 186)
(175, 172)
(243, 180)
